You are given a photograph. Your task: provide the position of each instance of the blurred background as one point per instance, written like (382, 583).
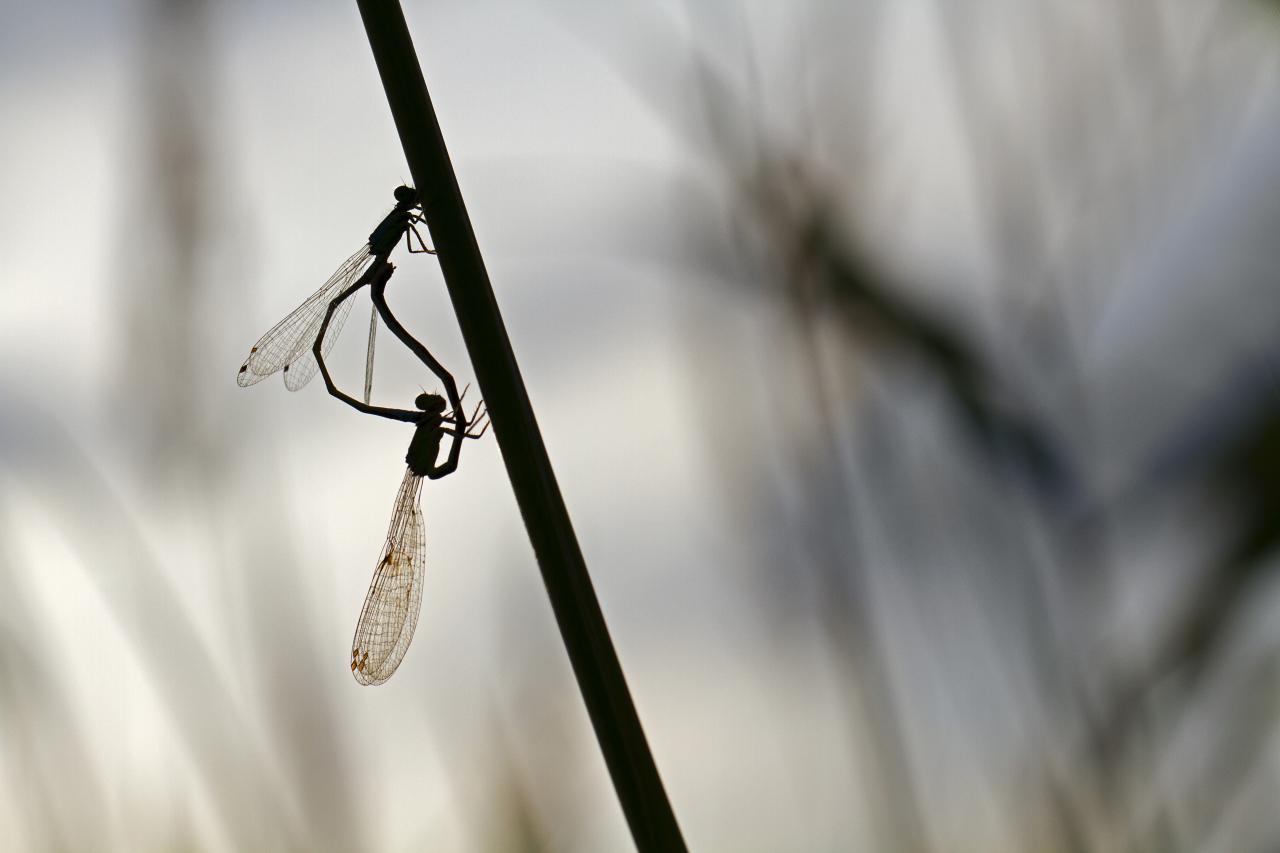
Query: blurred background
(911, 371)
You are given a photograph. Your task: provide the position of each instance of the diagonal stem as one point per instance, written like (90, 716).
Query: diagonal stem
(564, 572)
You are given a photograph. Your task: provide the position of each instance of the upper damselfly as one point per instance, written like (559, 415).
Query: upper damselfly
(287, 347)
(390, 612)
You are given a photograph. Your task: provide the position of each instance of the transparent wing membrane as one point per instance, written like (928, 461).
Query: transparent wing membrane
(303, 365)
(390, 612)
(368, 358)
(287, 346)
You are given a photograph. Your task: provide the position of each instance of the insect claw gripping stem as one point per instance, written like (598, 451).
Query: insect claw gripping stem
(475, 418)
(564, 571)
(422, 244)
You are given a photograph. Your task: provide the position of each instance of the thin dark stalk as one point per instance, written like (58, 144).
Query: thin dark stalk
(564, 572)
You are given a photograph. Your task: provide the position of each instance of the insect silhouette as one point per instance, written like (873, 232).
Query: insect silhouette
(287, 346)
(390, 612)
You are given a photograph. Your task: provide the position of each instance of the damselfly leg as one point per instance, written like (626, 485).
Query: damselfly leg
(478, 418)
(423, 248)
(476, 425)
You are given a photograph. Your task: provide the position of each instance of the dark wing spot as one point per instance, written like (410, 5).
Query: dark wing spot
(244, 367)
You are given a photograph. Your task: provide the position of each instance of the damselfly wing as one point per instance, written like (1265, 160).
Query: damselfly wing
(390, 612)
(368, 358)
(287, 347)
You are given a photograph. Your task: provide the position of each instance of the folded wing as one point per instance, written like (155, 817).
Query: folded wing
(390, 612)
(287, 346)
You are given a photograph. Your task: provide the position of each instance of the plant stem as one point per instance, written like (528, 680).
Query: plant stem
(564, 572)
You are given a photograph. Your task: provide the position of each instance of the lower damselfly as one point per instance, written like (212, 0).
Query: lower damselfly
(287, 347)
(390, 612)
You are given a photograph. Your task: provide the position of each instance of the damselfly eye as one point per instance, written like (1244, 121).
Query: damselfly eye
(429, 402)
(406, 195)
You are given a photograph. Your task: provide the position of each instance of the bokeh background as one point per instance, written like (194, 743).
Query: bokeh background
(911, 371)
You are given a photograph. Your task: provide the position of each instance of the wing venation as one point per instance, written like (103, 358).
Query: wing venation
(287, 346)
(390, 612)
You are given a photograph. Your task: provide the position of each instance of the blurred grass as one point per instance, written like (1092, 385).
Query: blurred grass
(917, 466)
(856, 327)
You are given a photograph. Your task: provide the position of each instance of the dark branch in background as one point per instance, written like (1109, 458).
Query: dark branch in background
(564, 572)
(864, 303)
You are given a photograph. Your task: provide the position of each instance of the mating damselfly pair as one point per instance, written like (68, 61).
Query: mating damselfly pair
(297, 346)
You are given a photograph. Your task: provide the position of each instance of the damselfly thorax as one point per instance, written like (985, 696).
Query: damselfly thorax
(396, 224)
(425, 446)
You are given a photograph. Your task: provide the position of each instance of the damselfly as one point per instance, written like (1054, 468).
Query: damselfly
(287, 346)
(390, 612)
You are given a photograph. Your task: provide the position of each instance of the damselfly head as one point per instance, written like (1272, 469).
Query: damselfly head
(406, 195)
(430, 403)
